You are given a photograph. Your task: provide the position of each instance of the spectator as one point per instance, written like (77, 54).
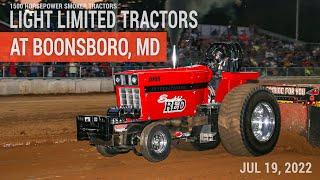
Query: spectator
(50, 71)
(96, 69)
(244, 37)
(107, 70)
(12, 70)
(73, 69)
(34, 70)
(1, 70)
(20, 68)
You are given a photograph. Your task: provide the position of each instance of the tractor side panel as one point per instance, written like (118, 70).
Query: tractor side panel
(231, 80)
(173, 104)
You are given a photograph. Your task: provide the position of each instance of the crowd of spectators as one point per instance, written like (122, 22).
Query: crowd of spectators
(49, 70)
(260, 51)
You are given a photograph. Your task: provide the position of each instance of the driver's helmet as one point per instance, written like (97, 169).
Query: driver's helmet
(217, 55)
(228, 55)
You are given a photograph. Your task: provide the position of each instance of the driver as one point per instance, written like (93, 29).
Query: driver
(222, 57)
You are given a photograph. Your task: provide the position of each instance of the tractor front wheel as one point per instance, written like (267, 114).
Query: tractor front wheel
(249, 121)
(155, 142)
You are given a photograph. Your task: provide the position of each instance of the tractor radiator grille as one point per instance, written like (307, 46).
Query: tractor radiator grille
(130, 97)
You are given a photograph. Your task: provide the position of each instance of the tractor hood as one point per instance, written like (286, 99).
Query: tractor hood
(169, 76)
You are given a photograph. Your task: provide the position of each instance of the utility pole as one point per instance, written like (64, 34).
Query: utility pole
(297, 19)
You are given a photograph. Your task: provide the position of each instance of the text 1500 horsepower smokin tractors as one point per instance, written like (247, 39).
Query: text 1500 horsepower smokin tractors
(201, 104)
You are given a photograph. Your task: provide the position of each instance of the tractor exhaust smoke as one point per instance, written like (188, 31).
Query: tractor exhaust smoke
(174, 57)
(201, 6)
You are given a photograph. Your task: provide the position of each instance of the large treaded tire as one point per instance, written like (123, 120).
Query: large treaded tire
(235, 120)
(146, 144)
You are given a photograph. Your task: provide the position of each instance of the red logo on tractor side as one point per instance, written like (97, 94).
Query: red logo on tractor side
(175, 104)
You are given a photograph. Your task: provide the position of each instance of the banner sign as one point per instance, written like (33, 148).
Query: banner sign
(83, 46)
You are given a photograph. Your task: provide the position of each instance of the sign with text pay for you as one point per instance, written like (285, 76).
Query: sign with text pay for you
(83, 46)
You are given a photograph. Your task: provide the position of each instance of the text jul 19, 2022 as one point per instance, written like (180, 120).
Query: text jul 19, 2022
(80, 47)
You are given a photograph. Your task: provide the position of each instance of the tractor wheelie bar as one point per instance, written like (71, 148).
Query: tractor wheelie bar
(202, 104)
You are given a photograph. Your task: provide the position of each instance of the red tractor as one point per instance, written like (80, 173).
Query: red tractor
(202, 104)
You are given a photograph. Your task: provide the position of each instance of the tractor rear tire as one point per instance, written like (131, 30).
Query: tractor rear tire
(249, 121)
(155, 142)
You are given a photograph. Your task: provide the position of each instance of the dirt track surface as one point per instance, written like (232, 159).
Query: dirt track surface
(27, 120)
(37, 138)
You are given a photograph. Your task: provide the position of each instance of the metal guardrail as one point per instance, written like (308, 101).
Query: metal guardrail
(65, 71)
(88, 71)
(54, 71)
